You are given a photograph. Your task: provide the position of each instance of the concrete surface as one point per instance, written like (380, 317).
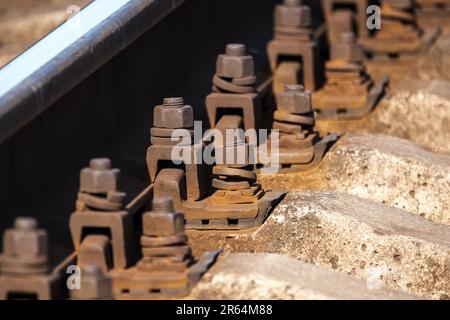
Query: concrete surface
(418, 111)
(380, 168)
(364, 239)
(246, 276)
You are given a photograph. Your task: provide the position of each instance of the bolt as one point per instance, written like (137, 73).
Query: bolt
(173, 102)
(295, 88)
(173, 114)
(25, 248)
(162, 221)
(347, 49)
(292, 3)
(236, 50)
(293, 14)
(100, 164)
(25, 223)
(235, 63)
(94, 284)
(163, 205)
(294, 99)
(99, 177)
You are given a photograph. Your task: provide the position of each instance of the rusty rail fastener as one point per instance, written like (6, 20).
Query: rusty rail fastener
(24, 264)
(163, 270)
(294, 40)
(192, 178)
(94, 285)
(234, 88)
(101, 225)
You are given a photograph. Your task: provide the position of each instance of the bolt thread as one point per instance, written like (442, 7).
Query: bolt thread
(298, 88)
(163, 205)
(236, 49)
(25, 223)
(173, 102)
(100, 164)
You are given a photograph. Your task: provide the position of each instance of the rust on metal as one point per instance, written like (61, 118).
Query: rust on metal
(399, 33)
(294, 51)
(104, 238)
(96, 250)
(235, 185)
(433, 4)
(101, 226)
(345, 16)
(95, 284)
(300, 146)
(349, 91)
(433, 8)
(24, 263)
(433, 12)
(234, 89)
(159, 154)
(167, 268)
(220, 196)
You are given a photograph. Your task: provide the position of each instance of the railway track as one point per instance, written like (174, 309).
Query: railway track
(91, 94)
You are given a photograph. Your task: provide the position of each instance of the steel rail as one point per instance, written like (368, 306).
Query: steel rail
(68, 55)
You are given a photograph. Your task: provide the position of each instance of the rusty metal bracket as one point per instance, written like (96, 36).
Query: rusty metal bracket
(100, 211)
(234, 89)
(95, 284)
(167, 268)
(159, 154)
(354, 14)
(24, 264)
(399, 34)
(320, 149)
(299, 147)
(349, 92)
(433, 9)
(207, 216)
(343, 113)
(232, 199)
(295, 42)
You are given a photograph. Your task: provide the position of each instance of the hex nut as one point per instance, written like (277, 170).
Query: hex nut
(294, 100)
(293, 15)
(99, 178)
(94, 284)
(235, 66)
(173, 117)
(163, 224)
(28, 245)
(236, 49)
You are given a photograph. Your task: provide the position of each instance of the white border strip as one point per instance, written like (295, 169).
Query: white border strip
(56, 42)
